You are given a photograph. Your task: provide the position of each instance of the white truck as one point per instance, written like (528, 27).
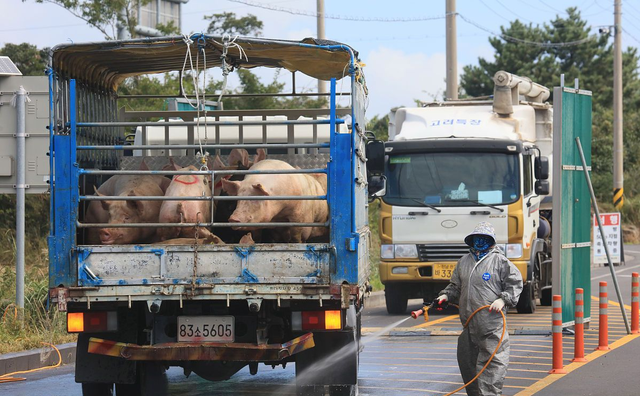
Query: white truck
(450, 165)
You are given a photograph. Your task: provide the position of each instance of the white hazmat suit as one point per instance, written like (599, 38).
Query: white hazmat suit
(474, 283)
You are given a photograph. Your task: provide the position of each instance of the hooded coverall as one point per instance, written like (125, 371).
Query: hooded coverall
(474, 284)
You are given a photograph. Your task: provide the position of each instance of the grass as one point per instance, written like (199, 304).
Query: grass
(38, 324)
(374, 252)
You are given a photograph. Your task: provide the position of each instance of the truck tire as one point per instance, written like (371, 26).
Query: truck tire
(546, 297)
(527, 302)
(151, 381)
(96, 389)
(395, 299)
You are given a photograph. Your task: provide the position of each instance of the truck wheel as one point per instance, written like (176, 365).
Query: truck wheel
(151, 381)
(545, 297)
(395, 299)
(527, 302)
(95, 389)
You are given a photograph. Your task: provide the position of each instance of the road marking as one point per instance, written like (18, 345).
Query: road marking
(431, 381)
(407, 389)
(432, 322)
(543, 383)
(435, 373)
(617, 272)
(617, 304)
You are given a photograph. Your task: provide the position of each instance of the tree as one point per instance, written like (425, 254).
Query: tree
(591, 62)
(28, 58)
(107, 15)
(228, 23)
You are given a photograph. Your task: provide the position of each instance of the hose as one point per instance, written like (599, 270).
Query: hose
(504, 327)
(8, 377)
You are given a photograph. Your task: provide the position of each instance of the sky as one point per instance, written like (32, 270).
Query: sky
(405, 60)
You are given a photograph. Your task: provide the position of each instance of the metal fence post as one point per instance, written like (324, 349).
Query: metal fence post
(20, 99)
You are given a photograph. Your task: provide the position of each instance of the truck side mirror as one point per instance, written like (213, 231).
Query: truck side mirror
(377, 186)
(375, 157)
(541, 168)
(542, 187)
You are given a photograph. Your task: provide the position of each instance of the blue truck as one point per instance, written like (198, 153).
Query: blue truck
(211, 309)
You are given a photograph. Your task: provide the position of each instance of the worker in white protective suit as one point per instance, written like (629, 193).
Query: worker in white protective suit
(483, 277)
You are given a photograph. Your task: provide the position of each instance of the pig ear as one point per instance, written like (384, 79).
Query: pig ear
(260, 188)
(230, 187)
(143, 165)
(105, 204)
(216, 164)
(260, 155)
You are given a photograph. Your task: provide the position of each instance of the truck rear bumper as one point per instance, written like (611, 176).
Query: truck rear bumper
(177, 351)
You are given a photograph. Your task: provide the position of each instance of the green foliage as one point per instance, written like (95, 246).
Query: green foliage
(28, 58)
(228, 23)
(379, 127)
(592, 63)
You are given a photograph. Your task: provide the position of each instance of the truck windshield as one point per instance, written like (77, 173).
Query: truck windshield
(452, 179)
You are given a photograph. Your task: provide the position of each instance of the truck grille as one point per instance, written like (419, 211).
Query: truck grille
(451, 252)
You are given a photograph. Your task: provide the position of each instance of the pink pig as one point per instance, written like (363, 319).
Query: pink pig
(186, 211)
(315, 211)
(134, 211)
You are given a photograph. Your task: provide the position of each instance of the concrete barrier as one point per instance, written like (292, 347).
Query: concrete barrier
(36, 358)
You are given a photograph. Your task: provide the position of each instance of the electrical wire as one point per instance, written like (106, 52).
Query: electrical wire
(527, 42)
(631, 35)
(9, 377)
(509, 9)
(354, 18)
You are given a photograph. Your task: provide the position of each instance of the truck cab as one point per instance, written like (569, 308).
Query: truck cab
(451, 165)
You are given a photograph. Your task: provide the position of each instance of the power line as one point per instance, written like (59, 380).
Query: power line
(527, 42)
(314, 14)
(631, 35)
(494, 11)
(42, 27)
(509, 9)
(554, 9)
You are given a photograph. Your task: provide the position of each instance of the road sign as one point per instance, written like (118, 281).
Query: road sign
(611, 222)
(571, 235)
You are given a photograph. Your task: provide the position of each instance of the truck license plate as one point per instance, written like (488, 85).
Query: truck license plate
(443, 271)
(206, 328)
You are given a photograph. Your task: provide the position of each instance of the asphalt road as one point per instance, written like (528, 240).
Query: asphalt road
(400, 364)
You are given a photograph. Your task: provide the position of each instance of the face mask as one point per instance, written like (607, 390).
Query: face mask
(481, 242)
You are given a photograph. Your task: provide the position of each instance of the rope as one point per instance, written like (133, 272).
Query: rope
(504, 327)
(6, 378)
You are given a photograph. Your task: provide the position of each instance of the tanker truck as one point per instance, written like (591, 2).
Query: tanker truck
(450, 165)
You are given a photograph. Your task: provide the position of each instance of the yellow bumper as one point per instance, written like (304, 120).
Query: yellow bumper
(421, 271)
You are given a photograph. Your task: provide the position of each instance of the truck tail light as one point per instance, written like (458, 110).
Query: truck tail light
(91, 322)
(317, 320)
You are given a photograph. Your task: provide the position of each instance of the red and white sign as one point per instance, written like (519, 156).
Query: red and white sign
(613, 234)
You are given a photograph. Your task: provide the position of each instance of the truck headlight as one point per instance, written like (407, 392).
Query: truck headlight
(513, 250)
(406, 251)
(400, 270)
(386, 252)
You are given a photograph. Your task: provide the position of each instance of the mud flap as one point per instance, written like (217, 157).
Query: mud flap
(106, 369)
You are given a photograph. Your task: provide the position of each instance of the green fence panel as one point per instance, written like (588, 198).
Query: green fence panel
(571, 201)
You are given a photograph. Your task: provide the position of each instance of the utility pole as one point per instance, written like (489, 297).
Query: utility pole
(21, 133)
(618, 175)
(452, 52)
(322, 85)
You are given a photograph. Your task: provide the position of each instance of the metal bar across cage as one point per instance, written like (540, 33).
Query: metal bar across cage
(212, 224)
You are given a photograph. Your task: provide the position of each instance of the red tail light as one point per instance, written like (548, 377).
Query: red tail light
(317, 320)
(92, 322)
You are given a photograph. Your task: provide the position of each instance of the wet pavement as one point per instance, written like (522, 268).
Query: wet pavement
(410, 360)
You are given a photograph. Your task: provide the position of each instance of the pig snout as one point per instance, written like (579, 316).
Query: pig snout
(107, 237)
(237, 218)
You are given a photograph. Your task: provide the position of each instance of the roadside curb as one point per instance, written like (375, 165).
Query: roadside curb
(375, 299)
(36, 358)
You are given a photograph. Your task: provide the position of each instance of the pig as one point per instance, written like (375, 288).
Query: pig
(105, 212)
(131, 211)
(186, 211)
(209, 240)
(247, 240)
(306, 211)
(238, 158)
